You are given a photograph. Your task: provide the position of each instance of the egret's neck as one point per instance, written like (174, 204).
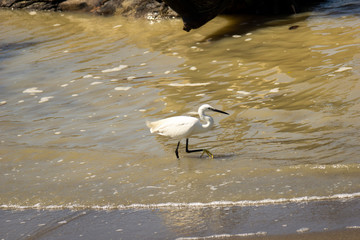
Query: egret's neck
(209, 121)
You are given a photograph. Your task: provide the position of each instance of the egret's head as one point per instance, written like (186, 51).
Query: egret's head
(207, 107)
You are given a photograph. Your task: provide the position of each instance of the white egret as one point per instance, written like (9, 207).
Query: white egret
(180, 127)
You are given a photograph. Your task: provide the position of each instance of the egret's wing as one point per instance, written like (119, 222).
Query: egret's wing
(175, 127)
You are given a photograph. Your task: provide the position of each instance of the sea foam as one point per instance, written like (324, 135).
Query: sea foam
(193, 205)
(116, 69)
(188, 84)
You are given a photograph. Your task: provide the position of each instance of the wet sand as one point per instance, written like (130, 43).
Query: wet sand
(309, 220)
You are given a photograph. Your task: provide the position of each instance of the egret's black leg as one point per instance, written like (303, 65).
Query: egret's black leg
(198, 150)
(190, 151)
(177, 150)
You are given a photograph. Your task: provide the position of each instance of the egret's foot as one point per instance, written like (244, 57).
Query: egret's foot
(208, 153)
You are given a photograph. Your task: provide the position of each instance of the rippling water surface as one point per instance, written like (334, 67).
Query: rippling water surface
(76, 90)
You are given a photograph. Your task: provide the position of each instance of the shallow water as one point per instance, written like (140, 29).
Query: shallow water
(76, 91)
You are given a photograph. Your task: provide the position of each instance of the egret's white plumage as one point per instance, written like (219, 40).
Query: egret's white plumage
(175, 127)
(180, 127)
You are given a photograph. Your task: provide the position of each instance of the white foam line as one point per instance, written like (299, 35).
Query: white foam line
(353, 227)
(342, 69)
(115, 69)
(32, 91)
(188, 84)
(193, 205)
(217, 236)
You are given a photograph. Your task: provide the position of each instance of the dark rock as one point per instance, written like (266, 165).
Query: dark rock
(31, 4)
(133, 8)
(78, 5)
(143, 8)
(101, 7)
(196, 13)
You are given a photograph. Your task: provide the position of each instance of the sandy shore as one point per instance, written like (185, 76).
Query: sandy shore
(295, 221)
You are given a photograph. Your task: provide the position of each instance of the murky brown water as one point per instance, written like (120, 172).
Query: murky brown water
(76, 91)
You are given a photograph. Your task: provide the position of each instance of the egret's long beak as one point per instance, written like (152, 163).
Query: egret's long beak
(216, 110)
